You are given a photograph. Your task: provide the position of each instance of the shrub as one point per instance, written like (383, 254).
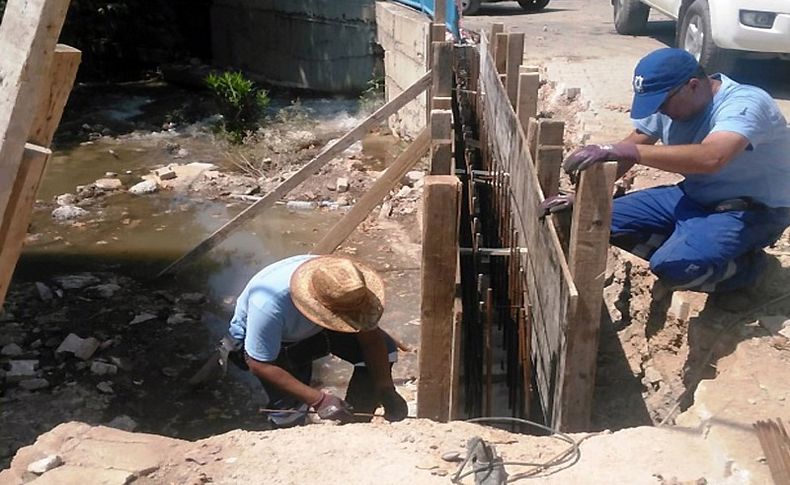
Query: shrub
(239, 101)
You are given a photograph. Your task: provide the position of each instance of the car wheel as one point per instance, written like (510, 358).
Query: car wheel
(470, 7)
(630, 16)
(533, 5)
(694, 35)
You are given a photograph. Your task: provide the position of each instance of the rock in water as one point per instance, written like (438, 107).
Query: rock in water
(68, 212)
(144, 187)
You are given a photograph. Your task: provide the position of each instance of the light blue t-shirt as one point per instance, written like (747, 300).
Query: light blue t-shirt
(265, 315)
(761, 172)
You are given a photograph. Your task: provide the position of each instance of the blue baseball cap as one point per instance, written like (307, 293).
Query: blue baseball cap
(656, 75)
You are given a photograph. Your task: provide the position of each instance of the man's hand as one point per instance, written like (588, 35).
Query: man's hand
(395, 407)
(585, 157)
(332, 407)
(556, 203)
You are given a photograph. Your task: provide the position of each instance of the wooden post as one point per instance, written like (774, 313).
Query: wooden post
(441, 199)
(28, 34)
(496, 28)
(527, 99)
(548, 157)
(515, 54)
(53, 95)
(441, 142)
(439, 11)
(532, 138)
(380, 188)
(500, 53)
(589, 247)
(325, 156)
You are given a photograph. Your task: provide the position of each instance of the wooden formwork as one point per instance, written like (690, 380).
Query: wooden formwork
(530, 287)
(37, 76)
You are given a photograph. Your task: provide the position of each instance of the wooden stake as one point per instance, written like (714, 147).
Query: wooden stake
(548, 159)
(515, 54)
(53, 95)
(496, 28)
(439, 258)
(589, 246)
(439, 10)
(373, 197)
(326, 156)
(441, 142)
(527, 99)
(500, 53)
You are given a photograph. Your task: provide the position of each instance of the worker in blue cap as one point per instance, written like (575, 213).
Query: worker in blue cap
(731, 143)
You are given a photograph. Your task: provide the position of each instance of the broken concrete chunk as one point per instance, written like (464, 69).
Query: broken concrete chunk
(103, 368)
(123, 422)
(104, 291)
(774, 323)
(34, 384)
(82, 348)
(21, 370)
(679, 308)
(194, 298)
(165, 173)
(142, 318)
(66, 199)
(11, 350)
(45, 464)
(179, 318)
(144, 187)
(44, 292)
(108, 184)
(105, 387)
(413, 176)
(652, 375)
(76, 281)
(342, 184)
(68, 212)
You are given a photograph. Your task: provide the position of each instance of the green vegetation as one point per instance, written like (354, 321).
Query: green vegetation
(373, 96)
(239, 101)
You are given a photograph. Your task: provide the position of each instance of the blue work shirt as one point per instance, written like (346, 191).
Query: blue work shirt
(265, 315)
(761, 172)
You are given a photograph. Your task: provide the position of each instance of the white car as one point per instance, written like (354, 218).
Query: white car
(715, 31)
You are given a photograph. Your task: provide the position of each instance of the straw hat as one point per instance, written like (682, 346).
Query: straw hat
(338, 293)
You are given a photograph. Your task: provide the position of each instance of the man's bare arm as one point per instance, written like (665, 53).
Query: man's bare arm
(707, 157)
(283, 380)
(638, 138)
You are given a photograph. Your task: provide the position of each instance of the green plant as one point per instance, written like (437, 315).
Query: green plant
(239, 101)
(373, 96)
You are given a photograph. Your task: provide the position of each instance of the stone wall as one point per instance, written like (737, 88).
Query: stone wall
(313, 44)
(402, 33)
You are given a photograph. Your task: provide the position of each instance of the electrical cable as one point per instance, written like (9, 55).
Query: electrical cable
(568, 456)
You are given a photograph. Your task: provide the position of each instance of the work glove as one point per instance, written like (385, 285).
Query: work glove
(395, 407)
(585, 157)
(556, 203)
(332, 407)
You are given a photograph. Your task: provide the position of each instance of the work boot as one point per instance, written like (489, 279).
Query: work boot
(660, 291)
(742, 299)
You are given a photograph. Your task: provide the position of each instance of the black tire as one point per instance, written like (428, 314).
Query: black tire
(470, 7)
(533, 5)
(694, 35)
(630, 16)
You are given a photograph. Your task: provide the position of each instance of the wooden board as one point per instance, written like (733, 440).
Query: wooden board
(592, 216)
(552, 293)
(515, 53)
(28, 35)
(441, 209)
(373, 197)
(53, 96)
(326, 156)
(527, 99)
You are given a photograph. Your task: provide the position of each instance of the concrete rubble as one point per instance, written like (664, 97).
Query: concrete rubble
(82, 348)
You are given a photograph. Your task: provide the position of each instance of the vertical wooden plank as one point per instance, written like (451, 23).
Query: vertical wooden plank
(496, 28)
(442, 71)
(589, 247)
(548, 158)
(440, 10)
(441, 198)
(53, 95)
(532, 139)
(441, 142)
(515, 54)
(500, 53)
(527, 98)
(28, 34)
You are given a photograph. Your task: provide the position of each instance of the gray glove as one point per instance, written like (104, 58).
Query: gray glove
(332, 407)
(556, 203)
(585, 157)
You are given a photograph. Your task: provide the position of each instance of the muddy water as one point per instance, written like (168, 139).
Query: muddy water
(139, 235)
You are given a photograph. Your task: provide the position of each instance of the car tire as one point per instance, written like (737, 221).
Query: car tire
(470, 7)
(533, 5)
(694, 35)
(630, 16)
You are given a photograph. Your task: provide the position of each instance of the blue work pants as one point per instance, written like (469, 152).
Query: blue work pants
(693, 247)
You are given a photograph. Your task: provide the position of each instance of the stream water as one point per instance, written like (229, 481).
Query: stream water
(138, 235)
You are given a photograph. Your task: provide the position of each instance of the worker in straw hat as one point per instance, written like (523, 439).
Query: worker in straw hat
(306, 307)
